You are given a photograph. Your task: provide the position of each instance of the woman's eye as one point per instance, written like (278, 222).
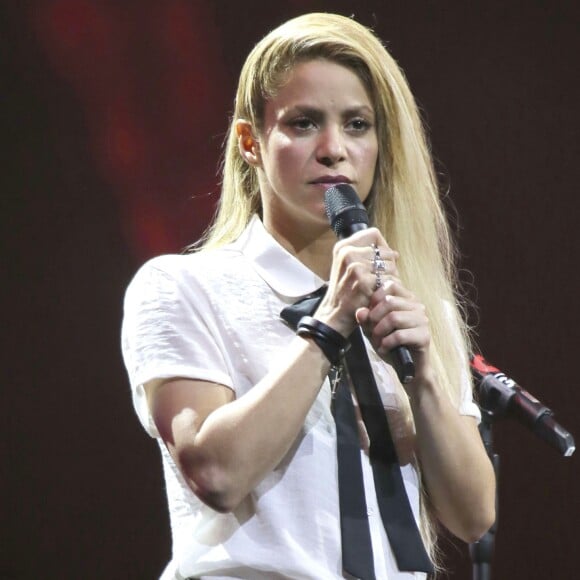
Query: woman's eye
(359, 125)
(303, 123)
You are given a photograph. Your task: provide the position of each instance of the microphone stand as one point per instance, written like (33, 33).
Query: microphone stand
(495, 398)
(481, 552)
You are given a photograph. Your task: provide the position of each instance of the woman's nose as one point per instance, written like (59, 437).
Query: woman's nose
(330, 147)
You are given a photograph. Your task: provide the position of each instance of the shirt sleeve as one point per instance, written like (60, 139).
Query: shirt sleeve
(168, 331)
(467, 406)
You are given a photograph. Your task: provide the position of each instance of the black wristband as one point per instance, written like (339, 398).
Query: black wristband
(328, 340)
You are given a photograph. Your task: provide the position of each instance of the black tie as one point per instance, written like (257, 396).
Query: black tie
(396, 512)
(394, 506)
(357, 552)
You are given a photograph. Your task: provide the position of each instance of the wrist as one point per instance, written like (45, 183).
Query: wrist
(336, 319)
(331, 342)
(422, 390)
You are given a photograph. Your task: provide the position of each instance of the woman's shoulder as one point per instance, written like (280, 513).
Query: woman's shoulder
(191, 269)
(176, 265)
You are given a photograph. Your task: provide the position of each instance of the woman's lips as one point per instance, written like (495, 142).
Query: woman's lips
(330, 180)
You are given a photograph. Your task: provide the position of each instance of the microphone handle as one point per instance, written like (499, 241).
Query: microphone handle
(403, 363)
(541, 421)
(554, 434)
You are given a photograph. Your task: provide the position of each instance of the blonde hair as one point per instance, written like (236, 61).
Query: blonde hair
(404, 204)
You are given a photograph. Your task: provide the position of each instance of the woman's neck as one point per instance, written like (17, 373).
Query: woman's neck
(313, 248)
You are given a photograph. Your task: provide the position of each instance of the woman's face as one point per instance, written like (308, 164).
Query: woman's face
(318, 130)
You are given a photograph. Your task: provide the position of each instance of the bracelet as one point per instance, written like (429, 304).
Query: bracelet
(330, 342)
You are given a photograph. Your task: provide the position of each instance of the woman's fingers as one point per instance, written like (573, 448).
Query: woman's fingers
(395, 317)
(361, 264)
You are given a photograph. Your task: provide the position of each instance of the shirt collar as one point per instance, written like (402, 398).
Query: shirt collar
(282, 271)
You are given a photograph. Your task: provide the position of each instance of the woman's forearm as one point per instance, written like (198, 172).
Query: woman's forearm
(456, 470)
(224, 452)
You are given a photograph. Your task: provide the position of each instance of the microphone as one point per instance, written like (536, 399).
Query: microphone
(501, 395)
(348, 215)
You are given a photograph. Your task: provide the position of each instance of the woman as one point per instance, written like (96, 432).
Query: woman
(239, 403)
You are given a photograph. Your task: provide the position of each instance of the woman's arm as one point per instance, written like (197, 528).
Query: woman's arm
(457, 472)
(456, 469)
(225, 446)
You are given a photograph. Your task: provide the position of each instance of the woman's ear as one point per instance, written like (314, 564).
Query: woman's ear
(247, 143)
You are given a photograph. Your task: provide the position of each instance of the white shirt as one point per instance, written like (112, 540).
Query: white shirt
(214, 316)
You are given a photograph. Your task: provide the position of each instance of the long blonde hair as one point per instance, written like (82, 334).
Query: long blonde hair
(404, 204)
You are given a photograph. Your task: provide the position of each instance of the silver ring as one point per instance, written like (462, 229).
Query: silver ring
(379, 267)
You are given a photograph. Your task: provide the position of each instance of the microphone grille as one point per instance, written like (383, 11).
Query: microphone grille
(344, 208)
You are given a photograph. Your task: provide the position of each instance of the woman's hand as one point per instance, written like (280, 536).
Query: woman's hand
(352, 282)
(396, 317)
(389, 314)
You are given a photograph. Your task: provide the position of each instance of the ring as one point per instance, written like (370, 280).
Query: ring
(379, 266)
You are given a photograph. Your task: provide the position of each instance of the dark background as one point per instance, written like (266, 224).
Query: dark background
(112, 116)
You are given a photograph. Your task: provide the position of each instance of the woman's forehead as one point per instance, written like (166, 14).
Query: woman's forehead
(319, 80)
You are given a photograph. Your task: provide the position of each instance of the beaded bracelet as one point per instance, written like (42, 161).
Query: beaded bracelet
(330, 342)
